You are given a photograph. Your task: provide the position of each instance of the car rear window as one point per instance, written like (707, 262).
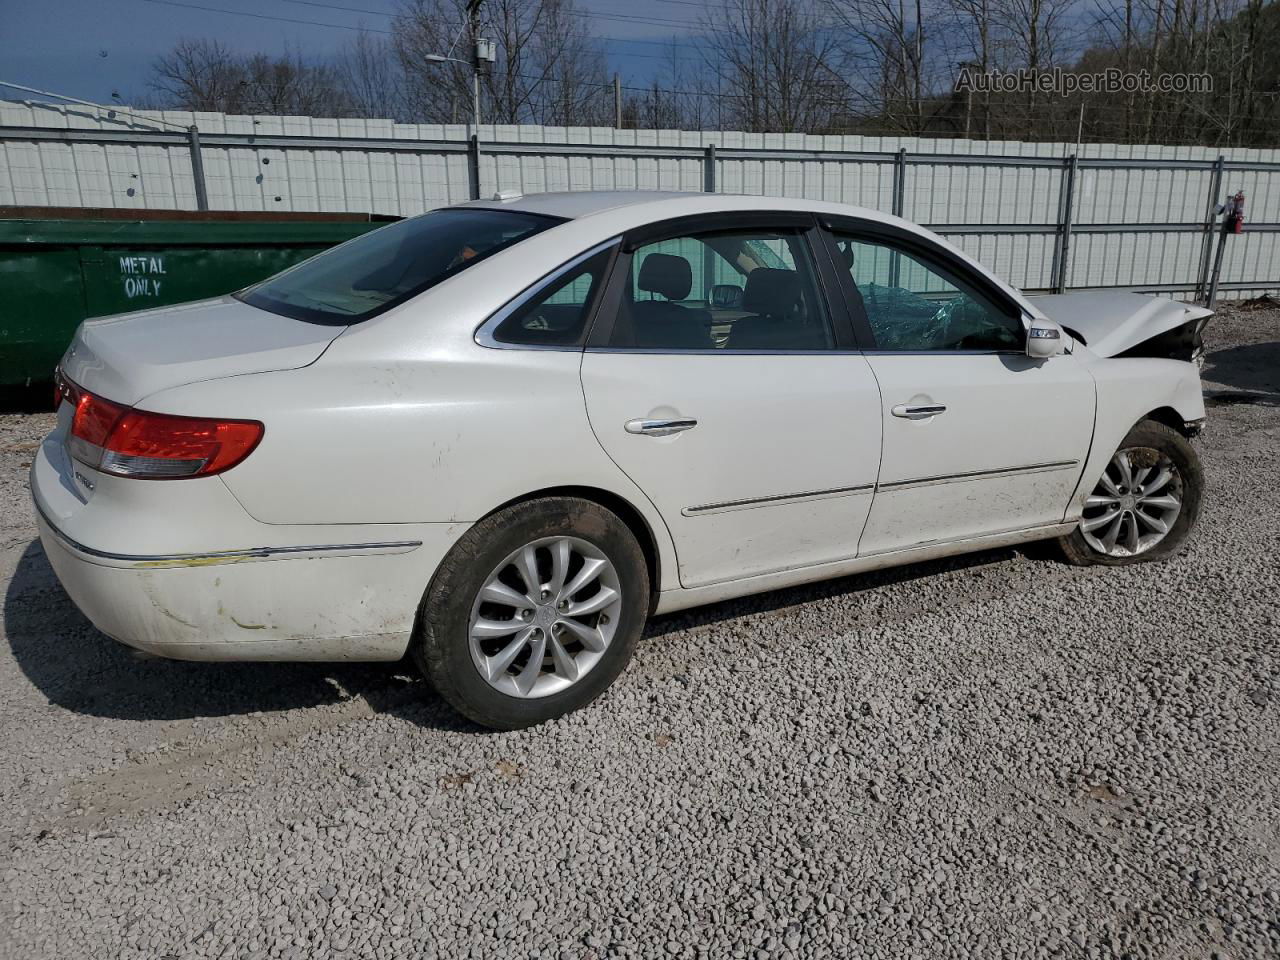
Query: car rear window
(385, 267)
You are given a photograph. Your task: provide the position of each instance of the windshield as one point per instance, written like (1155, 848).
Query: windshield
(372, 273)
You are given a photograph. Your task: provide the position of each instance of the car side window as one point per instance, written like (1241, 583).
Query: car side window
(556, 314)
(728, 290)
(912, 304)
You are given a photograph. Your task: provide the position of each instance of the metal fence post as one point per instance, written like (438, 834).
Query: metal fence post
(197, 167)
(1212, 296)
(709, 169)
(900, 183)
(899, 205)
(1206, 243)
(473, 166)
(1060, 271)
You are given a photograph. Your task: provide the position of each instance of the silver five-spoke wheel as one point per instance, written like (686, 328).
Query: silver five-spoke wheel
(544, 617)
(1134, 505)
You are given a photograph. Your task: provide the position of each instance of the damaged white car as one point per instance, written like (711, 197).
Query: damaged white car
(500, 435)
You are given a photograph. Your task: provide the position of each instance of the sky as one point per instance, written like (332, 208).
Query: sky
(90, 49)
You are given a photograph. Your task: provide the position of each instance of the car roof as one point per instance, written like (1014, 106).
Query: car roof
(575, 205)
(595, 215)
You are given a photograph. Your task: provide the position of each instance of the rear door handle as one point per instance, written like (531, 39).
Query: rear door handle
(660, 428)
(918, 411)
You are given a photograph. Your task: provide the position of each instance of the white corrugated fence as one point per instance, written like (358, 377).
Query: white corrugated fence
(343, 165)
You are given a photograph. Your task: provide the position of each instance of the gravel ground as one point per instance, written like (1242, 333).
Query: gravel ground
(996, 756)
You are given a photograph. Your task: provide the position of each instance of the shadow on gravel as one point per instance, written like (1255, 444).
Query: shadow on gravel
(856, 583)
(1254, 368)
(80, 669)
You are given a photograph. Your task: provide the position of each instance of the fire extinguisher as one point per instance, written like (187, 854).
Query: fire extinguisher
(1237, 212)
(1232, 211)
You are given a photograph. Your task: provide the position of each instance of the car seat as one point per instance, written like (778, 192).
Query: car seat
(662, 323)
(778, 320)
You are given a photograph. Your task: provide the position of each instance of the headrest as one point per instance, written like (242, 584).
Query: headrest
(666, 274)
(771, 292)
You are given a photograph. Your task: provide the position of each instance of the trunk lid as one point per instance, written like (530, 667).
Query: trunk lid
(1112, 324)
(130, 356)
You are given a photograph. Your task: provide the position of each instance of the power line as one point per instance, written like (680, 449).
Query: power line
(267, 16)
(588, 14)
(386, 33)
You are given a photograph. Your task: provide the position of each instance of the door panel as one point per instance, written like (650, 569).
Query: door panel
(778, 471)
(1005, 454)
(978, 437)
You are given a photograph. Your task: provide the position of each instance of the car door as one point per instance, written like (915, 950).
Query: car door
(979, 438)
(749, 419)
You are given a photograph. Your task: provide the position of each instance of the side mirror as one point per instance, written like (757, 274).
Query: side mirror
(1044, 339)
(726, 296)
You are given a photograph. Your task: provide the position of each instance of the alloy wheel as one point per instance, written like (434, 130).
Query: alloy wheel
(545, 617)
(1135, 504)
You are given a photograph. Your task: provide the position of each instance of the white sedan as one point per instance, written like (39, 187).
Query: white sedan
(500, 435)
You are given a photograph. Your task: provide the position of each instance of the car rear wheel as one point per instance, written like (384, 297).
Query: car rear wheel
(534, 612)
(1145, 503)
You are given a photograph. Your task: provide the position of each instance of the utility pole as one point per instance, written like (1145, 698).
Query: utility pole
(483, 53)
(617, 102)
(473, 15)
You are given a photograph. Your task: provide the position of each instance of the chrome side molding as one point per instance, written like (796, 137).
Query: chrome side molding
(979, 475)
(712, 508)
(160, 560)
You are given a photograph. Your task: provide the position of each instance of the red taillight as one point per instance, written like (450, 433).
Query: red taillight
(159, 445)
(155, 446)
(94, 417)
(63, 389)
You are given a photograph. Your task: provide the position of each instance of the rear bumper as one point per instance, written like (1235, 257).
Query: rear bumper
(293, 595)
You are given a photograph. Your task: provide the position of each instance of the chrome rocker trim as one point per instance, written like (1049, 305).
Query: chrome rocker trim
(160, 560)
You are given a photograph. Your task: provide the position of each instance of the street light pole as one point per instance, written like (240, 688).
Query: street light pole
(473, 13)
(483, 52)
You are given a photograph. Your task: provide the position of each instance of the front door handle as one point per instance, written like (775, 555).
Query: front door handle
(918, 411)
(660, 428)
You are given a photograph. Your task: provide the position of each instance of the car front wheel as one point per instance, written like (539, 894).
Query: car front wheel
(1144, 505)
(534, 612)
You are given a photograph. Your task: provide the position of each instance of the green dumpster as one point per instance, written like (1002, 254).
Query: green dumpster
(59, 266)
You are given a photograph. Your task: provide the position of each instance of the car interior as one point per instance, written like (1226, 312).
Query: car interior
(758, 291)
(723, 291)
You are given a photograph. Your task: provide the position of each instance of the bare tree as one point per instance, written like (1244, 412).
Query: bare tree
(369, 75)
(205, 75)
(1230, 41)
(548, 68)
(199, 74)
(680, 96)
(779, 69)
(887, 39)
(980, 40)
(287, 84)
(1035, 29)
(571, 70)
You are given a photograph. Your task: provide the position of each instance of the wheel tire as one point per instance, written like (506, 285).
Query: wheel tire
(1148, 433)
(441, 643)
